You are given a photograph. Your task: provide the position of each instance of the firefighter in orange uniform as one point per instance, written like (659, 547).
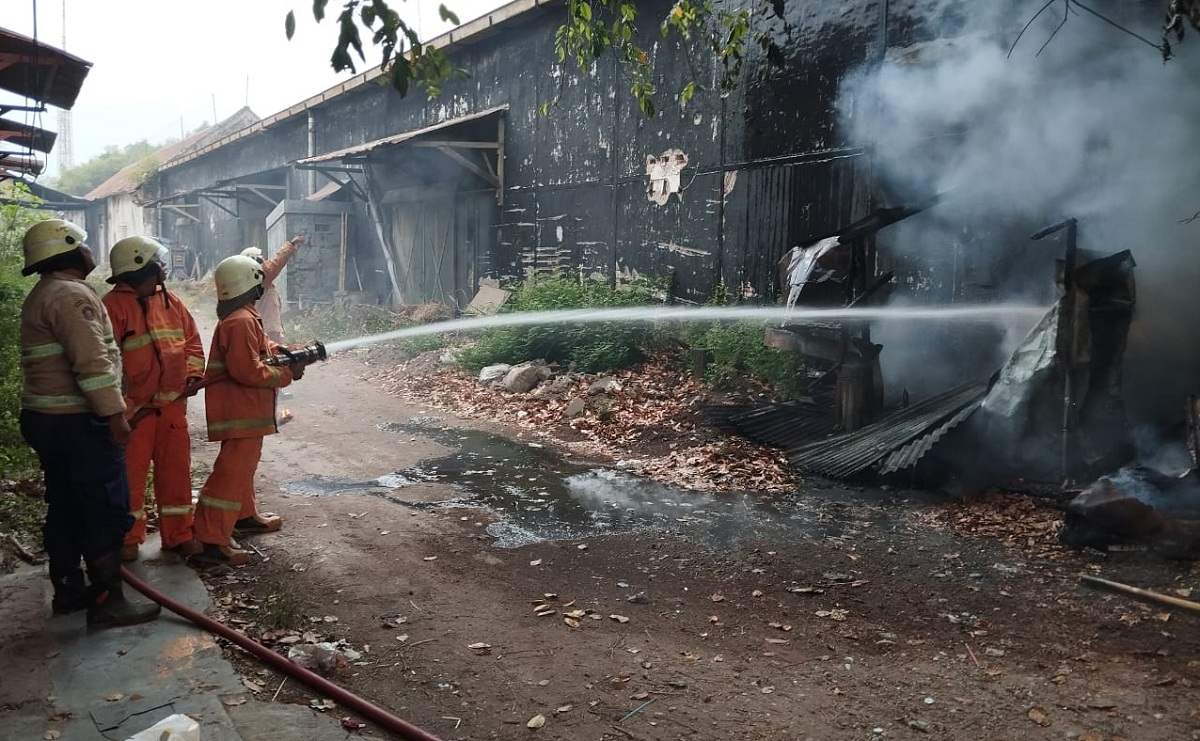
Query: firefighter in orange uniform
(271, 306)
(240, 410)
(162, 355)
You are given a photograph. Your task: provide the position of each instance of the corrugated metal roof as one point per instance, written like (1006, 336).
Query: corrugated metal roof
(907, 456)
(39, 72)
(123, 180)
(846, 455)
(26, 136)
(360, 150)
(467, 33)
(786, 424)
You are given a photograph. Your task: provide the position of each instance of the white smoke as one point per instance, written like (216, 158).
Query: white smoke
(1095, 127)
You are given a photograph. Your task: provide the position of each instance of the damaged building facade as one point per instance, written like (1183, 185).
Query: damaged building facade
(477, 184)
(893, 127)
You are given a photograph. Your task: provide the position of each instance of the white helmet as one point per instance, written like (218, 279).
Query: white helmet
(131, 254)
(235, 276)
(50, 238)
(253, 253)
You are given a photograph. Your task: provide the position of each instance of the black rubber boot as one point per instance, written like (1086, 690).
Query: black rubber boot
(71, 593)
(109, 608)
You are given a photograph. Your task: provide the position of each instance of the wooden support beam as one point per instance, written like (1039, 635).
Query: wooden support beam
(257, 190)
(180, 210)
(500, 156)
(218, 204)
(469, 165)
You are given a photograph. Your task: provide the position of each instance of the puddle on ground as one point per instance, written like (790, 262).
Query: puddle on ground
(537, 495)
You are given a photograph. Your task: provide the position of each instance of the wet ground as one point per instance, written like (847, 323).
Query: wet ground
(537, 494)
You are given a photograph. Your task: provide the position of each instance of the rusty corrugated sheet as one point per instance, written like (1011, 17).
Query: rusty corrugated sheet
(846, 455)
(908, 455)
(783, 425)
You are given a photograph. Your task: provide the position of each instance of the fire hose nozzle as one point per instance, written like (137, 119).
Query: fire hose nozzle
(307, 355)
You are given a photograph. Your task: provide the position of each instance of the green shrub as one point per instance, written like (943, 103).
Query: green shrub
(16, 458)
(591, 347)
(737, 349)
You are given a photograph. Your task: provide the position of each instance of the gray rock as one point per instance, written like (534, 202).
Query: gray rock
(525, 377)
(605, 385)
(494, 373)
(575, 408)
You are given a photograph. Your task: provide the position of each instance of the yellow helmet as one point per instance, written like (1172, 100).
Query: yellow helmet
(254, 253)
(49, 238)
(131, 254)
(235, 276)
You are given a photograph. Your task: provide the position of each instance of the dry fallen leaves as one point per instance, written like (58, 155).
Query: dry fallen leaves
(1039, 716)
(653, 401)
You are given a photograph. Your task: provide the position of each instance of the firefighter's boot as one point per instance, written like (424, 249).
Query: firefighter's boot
(71, 592)
(109, 607)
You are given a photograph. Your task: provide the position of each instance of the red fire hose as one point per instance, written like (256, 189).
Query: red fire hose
(343, 697)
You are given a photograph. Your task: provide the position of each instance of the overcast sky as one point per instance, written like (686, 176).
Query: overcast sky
(160, 67)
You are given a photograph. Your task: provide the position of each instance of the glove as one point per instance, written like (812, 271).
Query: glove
(297, 370)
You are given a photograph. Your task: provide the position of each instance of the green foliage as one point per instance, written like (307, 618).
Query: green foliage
(281, 610)
(591, 29)
(15, 456)
(22, 514)
(737, 350)
(592, 348)
(596, 27)
(145, 175)
(405, 58)
(83, 178)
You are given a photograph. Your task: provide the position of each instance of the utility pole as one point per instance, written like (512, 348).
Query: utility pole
(66, 152)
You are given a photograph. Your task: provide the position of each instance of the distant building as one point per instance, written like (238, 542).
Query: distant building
(117, 207)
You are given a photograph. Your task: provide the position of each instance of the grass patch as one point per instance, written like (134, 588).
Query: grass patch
(281, 610)
(737, 350)
(592, 348)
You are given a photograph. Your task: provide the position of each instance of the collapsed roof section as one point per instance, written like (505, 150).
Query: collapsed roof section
(1051, 412)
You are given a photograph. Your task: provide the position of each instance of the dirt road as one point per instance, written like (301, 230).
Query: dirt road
(831, 614)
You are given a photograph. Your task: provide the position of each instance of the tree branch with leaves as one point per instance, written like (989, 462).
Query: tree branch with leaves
(591, 30)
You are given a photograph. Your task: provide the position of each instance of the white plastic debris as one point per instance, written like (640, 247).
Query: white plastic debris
(172, 728)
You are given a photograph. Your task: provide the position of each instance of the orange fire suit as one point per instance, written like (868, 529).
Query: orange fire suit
(241, 411)
(271, 305)
(160, 351)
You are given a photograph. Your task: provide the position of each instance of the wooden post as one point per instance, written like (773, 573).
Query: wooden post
(342, 258)
(700, 359)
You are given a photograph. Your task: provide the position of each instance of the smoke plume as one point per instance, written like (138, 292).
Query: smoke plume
(1093, 126)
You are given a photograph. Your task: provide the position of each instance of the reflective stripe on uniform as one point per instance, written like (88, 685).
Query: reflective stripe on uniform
(95, 383)
(166, 333)
(220, 504)
(166, 397)
(134, 343)
(47, 350)
(241, 424)
(45, 401)
(138, 514)
(216, 365)
(175, 511)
